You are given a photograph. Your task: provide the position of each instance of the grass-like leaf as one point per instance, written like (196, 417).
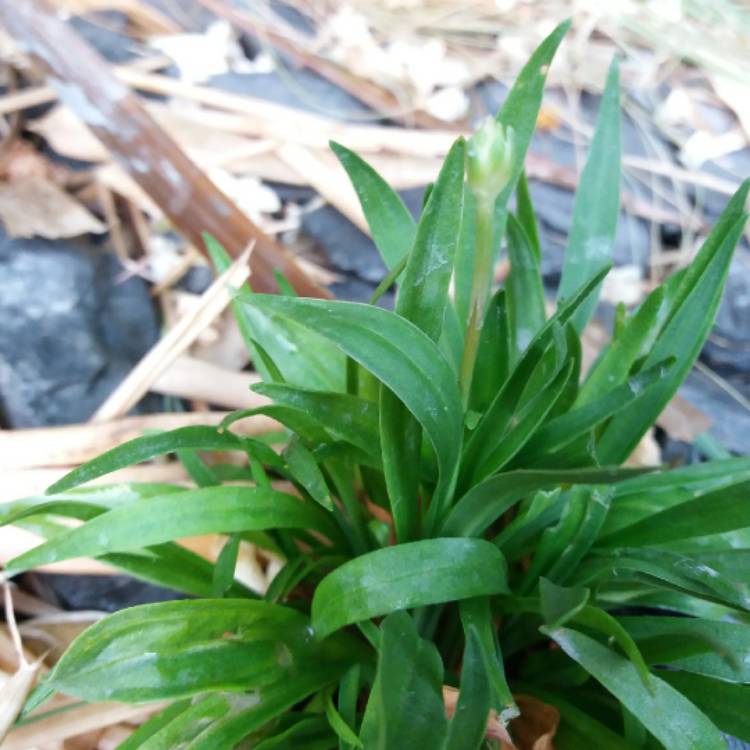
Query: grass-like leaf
(161, 519)
(406, 576)
(669, 716)
(405, 708)
(391, 225)
(597, 203)
(401, 356)
(184, 648)
(684, 332)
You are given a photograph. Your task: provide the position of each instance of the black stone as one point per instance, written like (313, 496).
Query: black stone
(104, 593)
(348, 248)
(73, 327)
(106, 32)
(295, 87)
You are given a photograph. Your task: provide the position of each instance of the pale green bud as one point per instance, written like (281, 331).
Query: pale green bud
(489, 159)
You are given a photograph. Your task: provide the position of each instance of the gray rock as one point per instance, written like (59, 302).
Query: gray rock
(554, 208)
(295, 87)
(105, 593)
(730, 423)
(349, 249)
(107, 33)
(728, 348)
(73, 327)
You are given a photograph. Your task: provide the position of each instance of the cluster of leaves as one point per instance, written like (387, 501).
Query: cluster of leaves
(517, 556)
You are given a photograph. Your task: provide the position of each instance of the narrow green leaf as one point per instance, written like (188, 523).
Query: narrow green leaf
(149, 652)
(494, 355)
(262, 362)
(598, 501)
(348, 696)
(305, 470)
(597, 202)
(477, 616)
(464, 264)
(556, 538)
(406, 576)
(521, 107)
(391, 225)
(526, 311)
(666, 569)
(161, 519)
(199, 471)
(494, 460)
(561, 603)
(684, 333)
(422, 300)
(636, 499)
(424, 289)
(148, 447)
(405, 708)
(226, 563)
(153, 725)
(469, 723)
(727, 705)
(527, 216)
(690, 644)
(401, 356)
(670, 717)
(597, 619)
(283, 350)
(613, 367)
(486, 502)
(222, 721)
(495, 420)
(563, 430)
(309, 732)
(725, 509)
(343, 731)
(344, 416)
(401, 441)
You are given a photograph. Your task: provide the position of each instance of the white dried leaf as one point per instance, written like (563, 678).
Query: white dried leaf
(449, 104)
(13, 695)
(703, 146)
(249, 193)
(35, 207)
(623, 284)
(201, 56)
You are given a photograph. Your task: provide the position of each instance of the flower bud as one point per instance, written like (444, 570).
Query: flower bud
(489, 159)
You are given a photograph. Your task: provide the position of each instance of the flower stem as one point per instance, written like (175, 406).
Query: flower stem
(480, 291)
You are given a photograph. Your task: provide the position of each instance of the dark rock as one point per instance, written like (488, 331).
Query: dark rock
(292, 193)
(196, 280)
(353, 290)
(348, 249)
(295, 87)
(191, 16)
(293, 16)
(104, 593)
(106, 32)
(487, 98)
(556, 146)
(554, 208)
(730, 423)
(674, 452)
(670, 235)
(732, 167)
(728, 347)
(73, 327)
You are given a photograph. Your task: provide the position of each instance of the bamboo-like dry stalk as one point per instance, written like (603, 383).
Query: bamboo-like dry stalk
(194, 204)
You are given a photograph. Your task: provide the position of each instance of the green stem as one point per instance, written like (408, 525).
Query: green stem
(388, 281)
(480, 291)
